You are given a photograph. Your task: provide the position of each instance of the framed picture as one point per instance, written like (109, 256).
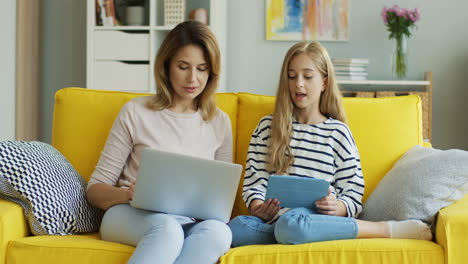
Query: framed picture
(307, 20)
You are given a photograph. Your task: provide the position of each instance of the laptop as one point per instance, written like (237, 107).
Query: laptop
(186, 185)
(294, 191)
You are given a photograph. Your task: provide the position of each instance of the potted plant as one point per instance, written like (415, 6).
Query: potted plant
(134, 12)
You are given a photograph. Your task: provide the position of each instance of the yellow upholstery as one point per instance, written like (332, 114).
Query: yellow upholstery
(452, 231)
(13, 225)
(384, 128)
(84, 117)
(251, 109)
(67, 249)
(362, 251)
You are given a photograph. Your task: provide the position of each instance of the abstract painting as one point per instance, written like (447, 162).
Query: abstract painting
(307, 20)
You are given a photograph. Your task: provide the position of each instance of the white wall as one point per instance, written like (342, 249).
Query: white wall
(63, 51)
(7, 69)
(440, 45)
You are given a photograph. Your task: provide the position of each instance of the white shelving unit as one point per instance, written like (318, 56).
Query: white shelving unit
(121, 58)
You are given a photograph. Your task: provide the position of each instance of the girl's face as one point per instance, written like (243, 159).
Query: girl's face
(188, 73)
(305, 83)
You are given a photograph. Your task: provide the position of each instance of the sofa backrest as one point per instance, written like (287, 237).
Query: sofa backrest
(83, 118)
(383, 128)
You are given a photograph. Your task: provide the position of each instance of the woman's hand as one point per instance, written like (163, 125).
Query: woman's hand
(104, 196)
(330, 205)
(265, 210)
(129, 191)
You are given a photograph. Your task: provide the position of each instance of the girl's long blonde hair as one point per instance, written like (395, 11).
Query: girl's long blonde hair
(187, 33)
(280, 156)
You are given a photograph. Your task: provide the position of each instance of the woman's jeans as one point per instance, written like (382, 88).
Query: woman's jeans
(297, 226)
(163, 238)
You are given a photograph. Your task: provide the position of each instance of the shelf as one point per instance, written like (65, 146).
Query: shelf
(134, 28)
(389, 88)
(379, 82)
(130, 50)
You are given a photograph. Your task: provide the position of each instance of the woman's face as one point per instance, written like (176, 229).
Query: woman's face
(305, 83)
(188, 73)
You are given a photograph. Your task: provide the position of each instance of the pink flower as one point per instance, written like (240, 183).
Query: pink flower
(400, 12)
(416, 14)
(400, 20)
(384, 14)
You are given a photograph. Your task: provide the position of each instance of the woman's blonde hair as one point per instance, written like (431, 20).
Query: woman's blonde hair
(280, 157)
(187, 33)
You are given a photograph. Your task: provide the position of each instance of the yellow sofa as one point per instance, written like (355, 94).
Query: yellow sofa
(384, 128)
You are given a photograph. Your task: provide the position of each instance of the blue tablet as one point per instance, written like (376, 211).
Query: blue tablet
(293, 191)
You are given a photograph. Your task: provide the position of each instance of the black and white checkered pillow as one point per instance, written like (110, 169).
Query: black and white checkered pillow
(52, 193)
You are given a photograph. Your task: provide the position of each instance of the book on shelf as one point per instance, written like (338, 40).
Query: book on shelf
(351, 73)
(347, 68)
(351, 78)
(348, 61)
(106, 14)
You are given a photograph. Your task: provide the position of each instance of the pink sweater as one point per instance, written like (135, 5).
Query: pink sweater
(137, 127)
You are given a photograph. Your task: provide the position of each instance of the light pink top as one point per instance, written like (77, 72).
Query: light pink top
(137, 127)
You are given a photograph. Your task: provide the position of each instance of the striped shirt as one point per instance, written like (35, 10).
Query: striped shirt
(324, 151)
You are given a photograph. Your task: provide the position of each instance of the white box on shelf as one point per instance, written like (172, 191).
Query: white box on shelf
(121, 76)
(119, 45)
(174, 12)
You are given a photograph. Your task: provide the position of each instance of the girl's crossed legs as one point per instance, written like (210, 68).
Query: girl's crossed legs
(303, 225)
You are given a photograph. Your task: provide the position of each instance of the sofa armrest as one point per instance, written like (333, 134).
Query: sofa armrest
(427, 144)
(13, 225)
(452, 231)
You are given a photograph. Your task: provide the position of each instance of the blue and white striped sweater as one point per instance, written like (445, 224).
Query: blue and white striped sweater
(324, 151)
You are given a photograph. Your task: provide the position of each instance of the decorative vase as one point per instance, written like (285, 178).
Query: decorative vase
(400, 57)
(135, 15)
(199, 14)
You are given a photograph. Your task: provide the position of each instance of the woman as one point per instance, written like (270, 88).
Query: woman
(307, 136)
(182, 117)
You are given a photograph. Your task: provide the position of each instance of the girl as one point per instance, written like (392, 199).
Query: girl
(307, 136)
(182, 117)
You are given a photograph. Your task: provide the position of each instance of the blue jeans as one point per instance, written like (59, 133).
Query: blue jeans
(297, 226)
(163, 238)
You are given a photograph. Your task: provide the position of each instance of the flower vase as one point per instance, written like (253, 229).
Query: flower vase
(400, 56)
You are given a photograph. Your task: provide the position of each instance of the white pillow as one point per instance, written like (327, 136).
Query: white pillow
(422, 182)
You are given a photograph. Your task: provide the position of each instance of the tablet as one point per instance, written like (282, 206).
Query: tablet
(293, 191)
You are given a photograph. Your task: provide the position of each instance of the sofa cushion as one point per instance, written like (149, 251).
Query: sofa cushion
(228, 103)
(87, 248)
(82, 121)
(384, 129)
(421, 183)
(47, 187)
(84, 117)
(90, 249)
(356, 251)
(252, 107)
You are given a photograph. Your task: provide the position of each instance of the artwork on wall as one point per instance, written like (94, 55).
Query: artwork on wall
(307, 20)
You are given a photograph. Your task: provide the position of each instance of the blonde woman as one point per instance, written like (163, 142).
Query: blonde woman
(182, 117)
(307, 136)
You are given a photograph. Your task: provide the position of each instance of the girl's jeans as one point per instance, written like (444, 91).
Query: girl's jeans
(163, 238)
(297, 226)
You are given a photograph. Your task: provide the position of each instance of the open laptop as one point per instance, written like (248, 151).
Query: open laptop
(186, 185)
